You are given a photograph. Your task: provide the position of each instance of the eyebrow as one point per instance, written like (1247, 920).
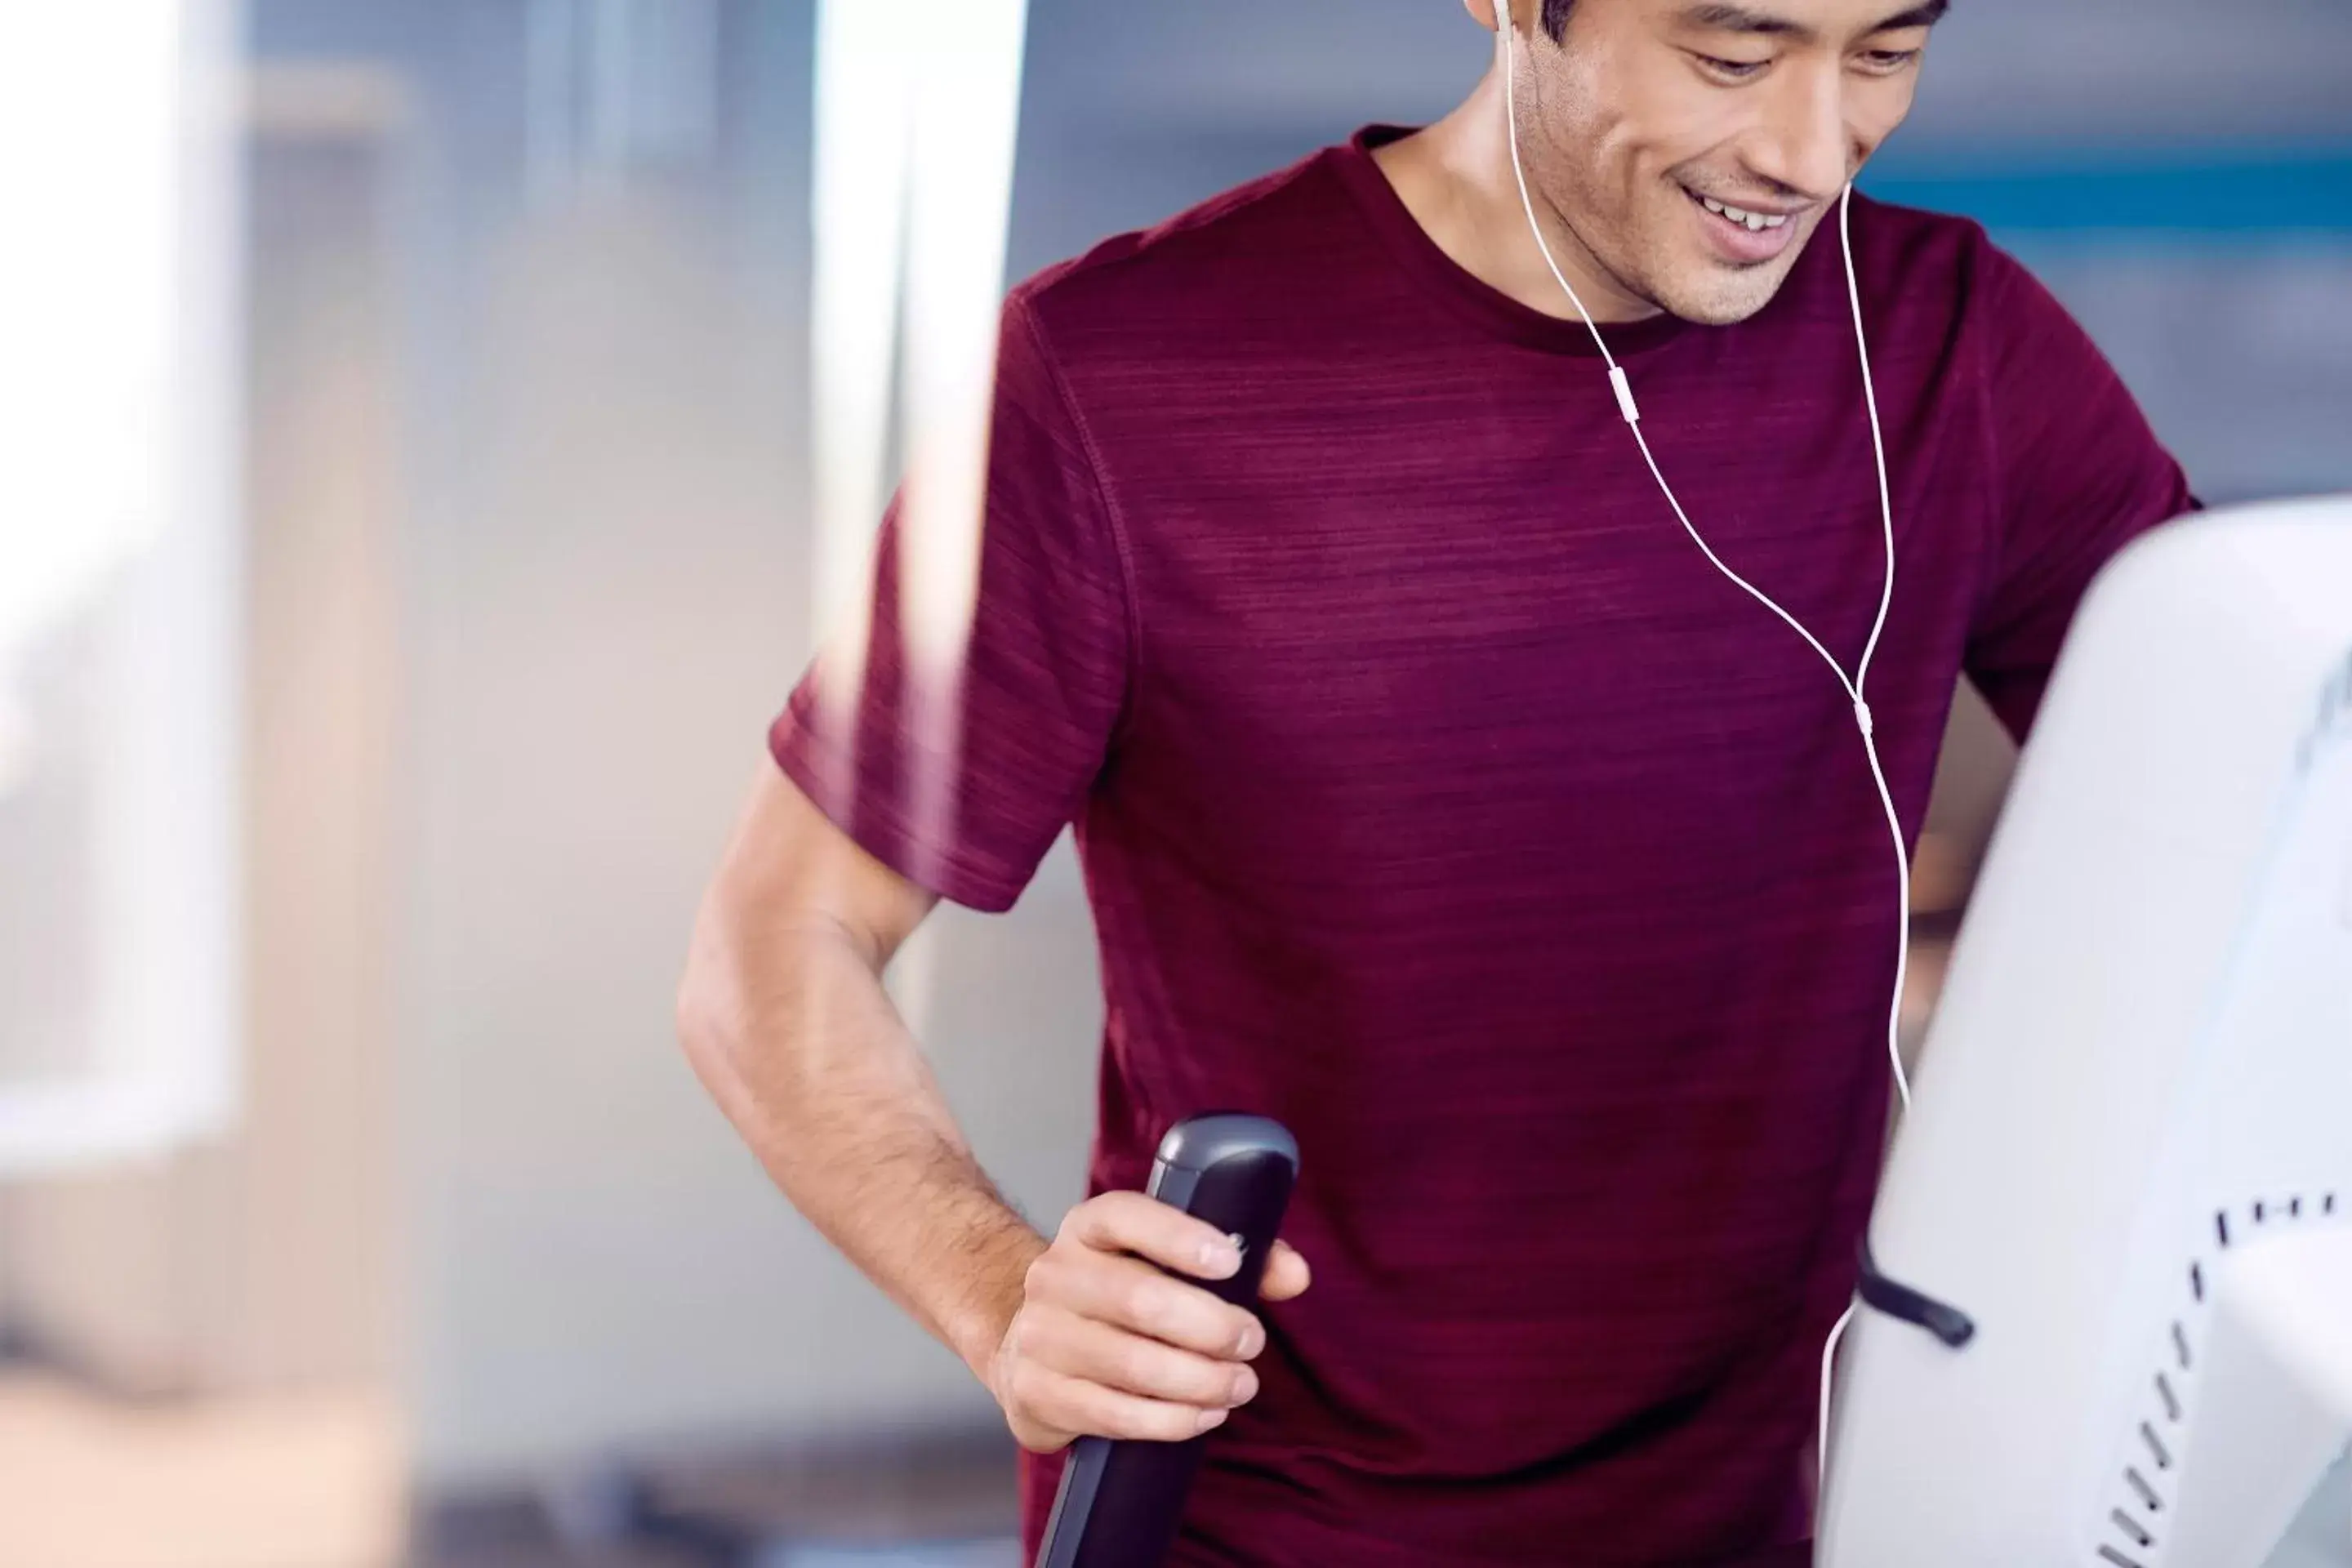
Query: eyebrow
(1722, 16)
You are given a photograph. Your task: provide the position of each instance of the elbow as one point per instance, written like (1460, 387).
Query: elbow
(734, 1016)
(704, 1013)
(692, 1021)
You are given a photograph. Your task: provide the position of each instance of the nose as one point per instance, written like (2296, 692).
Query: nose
(1801, 143)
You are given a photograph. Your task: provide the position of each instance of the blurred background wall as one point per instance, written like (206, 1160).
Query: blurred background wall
(525, 438)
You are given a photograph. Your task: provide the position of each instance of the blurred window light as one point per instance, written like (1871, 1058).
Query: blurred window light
(118, 721)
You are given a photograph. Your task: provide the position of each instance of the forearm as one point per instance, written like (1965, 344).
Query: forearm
(798, 1043)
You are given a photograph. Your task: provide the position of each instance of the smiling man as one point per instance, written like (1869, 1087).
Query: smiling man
(1438, 797)
(1757, 115)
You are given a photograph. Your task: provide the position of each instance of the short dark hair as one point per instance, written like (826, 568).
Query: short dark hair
(1555, 18)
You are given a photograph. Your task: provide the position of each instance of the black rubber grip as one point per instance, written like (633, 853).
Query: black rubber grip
(1121, 1503)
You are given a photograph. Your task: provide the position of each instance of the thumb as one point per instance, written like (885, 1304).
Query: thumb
(1286, 1274)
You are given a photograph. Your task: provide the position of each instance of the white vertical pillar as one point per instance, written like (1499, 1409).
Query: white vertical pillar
(118, 207)
(967, 114)
(917, 108)
(865, 94)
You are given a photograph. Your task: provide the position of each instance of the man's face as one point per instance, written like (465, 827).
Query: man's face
(1650, 109)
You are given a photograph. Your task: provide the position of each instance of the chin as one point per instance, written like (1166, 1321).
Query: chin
(1722, 300)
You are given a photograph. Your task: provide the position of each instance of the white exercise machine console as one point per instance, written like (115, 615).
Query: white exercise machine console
(2108, 1308)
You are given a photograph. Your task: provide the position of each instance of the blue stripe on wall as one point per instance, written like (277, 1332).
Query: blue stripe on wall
(2190, 193)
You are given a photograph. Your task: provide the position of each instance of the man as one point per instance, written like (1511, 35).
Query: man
(1438, 798)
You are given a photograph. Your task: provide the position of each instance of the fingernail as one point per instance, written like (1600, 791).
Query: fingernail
(1253, 1341)
(1245, 1386)
(1219, 1258)
(1211, 1418)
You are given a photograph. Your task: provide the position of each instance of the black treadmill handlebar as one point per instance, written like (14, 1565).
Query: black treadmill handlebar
(1121, 1502)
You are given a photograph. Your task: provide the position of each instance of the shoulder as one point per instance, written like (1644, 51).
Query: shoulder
(1891, 235)
(1936, 284)
(1250, 250)
(1935, 257)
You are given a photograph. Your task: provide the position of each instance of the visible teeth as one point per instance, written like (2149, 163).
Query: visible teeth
(1753, 220)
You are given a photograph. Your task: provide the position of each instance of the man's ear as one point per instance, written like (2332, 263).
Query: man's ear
(1487, 14)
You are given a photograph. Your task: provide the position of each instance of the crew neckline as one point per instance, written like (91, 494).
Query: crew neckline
(1462, 289)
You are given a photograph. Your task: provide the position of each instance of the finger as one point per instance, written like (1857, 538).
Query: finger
(1130, 1222)
(1074, 1404)
(1095, 1352)
(1130, 1294)
(1286, 1274)
(1038, 1437)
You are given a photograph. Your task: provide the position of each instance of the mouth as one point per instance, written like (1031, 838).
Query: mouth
(1745, 235)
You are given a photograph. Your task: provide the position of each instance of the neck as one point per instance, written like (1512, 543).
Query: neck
(1455, 179)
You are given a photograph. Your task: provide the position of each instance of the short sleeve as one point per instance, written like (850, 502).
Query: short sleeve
(1039, 690)
(2080, 475)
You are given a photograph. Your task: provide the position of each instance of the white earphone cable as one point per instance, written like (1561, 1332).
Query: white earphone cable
(1869, 652)
(1853, 686)
(1821, 1430)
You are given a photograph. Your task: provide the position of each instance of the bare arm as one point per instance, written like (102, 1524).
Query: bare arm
(783, 1016)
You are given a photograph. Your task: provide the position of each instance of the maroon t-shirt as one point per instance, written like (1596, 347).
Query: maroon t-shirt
(1437, 798)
